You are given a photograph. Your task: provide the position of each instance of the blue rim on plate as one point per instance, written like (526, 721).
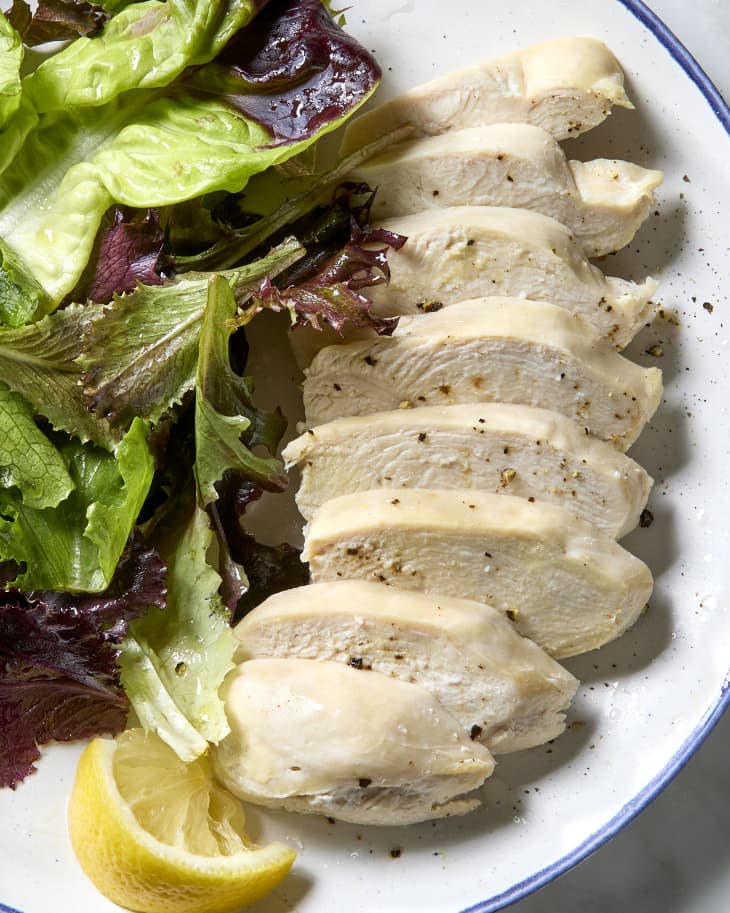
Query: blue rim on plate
(645, 796)
(654, 787)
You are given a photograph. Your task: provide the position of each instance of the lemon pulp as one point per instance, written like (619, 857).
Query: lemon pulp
(157, 835)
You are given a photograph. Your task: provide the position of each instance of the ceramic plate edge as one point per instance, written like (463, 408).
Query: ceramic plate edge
(657, 784)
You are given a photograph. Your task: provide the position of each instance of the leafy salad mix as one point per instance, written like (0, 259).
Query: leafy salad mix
(130, 441)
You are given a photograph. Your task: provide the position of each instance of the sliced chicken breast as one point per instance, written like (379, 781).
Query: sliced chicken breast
(325, 738)
(497, 447)
(488, 350)
(566, 585)
(602, 202)
(505, 691)
(566, 86)
(466, 251)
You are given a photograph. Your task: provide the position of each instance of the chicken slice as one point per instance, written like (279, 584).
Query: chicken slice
(505, 691)
(566, 86)
(603, 202)
(497, 447)
(488, 350)
(466, 251)
(329, 739)
(565, 584)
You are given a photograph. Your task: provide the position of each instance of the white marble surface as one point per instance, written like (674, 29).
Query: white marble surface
(675, 857)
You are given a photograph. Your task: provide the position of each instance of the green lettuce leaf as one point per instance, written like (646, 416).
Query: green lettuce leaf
(11, 57)
(141, 358)
(17, 115)
(174, 660)
(76, 545)
(146, 45)
(207, 131)
(223, 406)
(28, 460)
(19, 125)
(203, 144)
(21, 296)
(38, 361)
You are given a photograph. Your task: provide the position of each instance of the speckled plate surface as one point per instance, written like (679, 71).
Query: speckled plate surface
(646, 701)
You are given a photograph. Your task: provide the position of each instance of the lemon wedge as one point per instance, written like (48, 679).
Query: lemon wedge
(157, 835)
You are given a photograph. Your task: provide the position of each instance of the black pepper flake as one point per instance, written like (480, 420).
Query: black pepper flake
(646, 519)
(395, 501)
(355, 662)
(475, 732)
(428, 307)
(295, 767)
(422, 436)
(470, 242)
(353, 550)
(708, 307)
(337, 387)
(395, 853)
(364, 782)
(487, 554)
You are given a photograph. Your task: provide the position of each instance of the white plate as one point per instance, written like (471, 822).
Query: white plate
(646, 701)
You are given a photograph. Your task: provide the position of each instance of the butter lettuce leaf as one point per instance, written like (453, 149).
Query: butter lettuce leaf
(146, 45)
(76, 545)
(17, 115)
(211, 129)
(11, 57)
(174, 660)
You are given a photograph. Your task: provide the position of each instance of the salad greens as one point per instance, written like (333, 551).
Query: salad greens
(58, 656)
(11, 57)
(76, 544)
(155, 143)
(131, 441)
